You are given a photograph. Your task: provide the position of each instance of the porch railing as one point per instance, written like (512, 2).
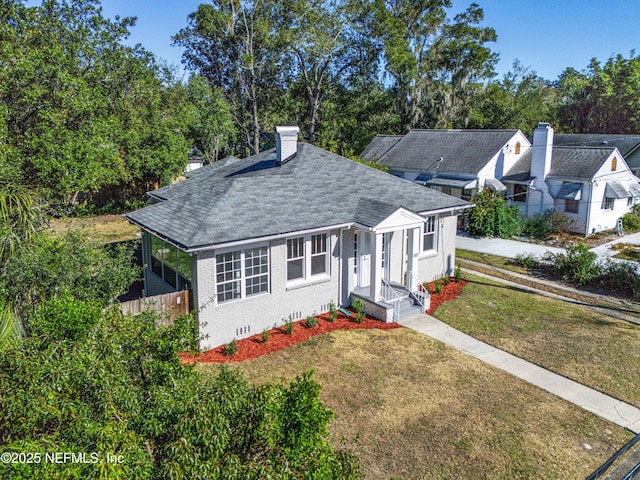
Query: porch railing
(389, 295)
(413, 295)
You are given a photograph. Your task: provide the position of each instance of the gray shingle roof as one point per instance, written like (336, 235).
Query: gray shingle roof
(581, 163)
(462, 151)
(627, 145)
(379, 146)
(253, 197)
(624, 143)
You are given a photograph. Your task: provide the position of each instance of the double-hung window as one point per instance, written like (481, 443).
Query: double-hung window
(429, 234)
(295, 258)
(608, 203)
(571, 206)
(319, 254)
(307, 257)
(242, 273)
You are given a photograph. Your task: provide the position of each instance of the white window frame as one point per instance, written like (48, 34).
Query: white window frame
(571, 206)
(309, 244)
(520, 197)
(430, 228)
(609, 203)
(241, 276)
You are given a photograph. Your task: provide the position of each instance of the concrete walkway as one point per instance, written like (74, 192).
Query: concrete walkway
(609, 408)
(604, 251)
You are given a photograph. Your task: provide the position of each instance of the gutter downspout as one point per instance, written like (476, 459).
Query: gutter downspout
(588, 219)
(340, 260)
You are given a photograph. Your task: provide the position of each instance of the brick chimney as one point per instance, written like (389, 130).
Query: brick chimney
(541, 154)
(286, 143)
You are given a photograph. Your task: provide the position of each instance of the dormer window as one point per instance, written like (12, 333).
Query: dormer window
(517, 149)
(614, 164)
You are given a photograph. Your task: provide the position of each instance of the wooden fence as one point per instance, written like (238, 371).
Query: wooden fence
(169, 305)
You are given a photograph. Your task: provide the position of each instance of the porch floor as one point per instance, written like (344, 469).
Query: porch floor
(399, 289)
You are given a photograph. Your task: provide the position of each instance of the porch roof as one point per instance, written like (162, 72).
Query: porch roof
(569, 191)
(462, 183)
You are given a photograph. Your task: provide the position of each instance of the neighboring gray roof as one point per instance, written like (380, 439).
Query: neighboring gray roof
(379, 146)
(624, 143)
(566, 162)
(462, 151)
(253, 197)
(627, 145)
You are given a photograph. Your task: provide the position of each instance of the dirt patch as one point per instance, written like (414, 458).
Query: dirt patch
(279, 339)
(100, 229)
(564, 240)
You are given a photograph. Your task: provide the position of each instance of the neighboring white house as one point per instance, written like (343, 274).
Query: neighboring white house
(455, 162)
(281, 234)
(593, 185)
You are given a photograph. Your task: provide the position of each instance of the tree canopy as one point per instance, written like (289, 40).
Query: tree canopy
(82, 111)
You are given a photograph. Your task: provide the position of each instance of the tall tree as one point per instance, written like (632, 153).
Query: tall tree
(232, 44)
(520, 99)
(430, 59)
(210, 123)
(315, 34)
(604, 99)
(82, 109)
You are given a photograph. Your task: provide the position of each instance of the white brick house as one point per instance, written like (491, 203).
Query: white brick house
(281, 234)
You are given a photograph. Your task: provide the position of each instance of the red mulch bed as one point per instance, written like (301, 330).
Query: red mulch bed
(448, 293)
(254, 347)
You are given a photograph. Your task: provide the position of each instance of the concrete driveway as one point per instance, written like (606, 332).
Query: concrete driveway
(511, 248)
(502, 247)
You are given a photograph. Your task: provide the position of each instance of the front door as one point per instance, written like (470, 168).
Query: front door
(364, 259)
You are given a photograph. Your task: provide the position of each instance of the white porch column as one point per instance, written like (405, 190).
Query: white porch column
(413, 249)
(375, 285)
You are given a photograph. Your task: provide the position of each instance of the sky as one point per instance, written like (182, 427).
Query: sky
(546, 36)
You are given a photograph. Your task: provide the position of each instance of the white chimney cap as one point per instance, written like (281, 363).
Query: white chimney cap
(288, 131)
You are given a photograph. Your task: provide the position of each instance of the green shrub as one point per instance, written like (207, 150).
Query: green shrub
(560, 222)
(542, 224)
(631, 220)
(537, 226)
(311, 321)
(264, 336)
(622, 278)
(492, 217)
(288, 326)
(65, 317)
(124, 388)
(446, 280)
(437, 286)
(333, 312)
(458, 274)
(230, 349)
(528, 260)
(578, 266)
(358, 306)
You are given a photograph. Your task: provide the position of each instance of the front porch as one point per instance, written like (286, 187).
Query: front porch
(396, 303)
(385, 268)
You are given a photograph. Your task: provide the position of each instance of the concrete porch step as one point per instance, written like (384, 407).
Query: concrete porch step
(407, 309)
